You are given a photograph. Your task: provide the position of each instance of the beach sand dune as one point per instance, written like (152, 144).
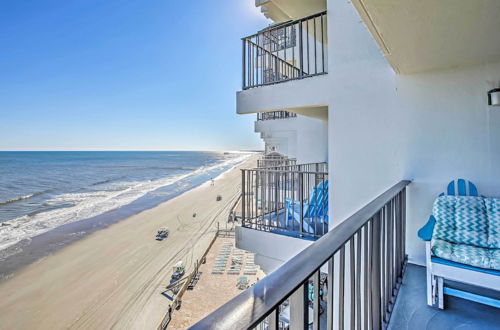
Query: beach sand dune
(113, 278)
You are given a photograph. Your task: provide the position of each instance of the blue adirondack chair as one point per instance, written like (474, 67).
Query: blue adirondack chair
(315, 210)
(439, 268)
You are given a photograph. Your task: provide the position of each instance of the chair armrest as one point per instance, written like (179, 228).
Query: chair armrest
(425, 233)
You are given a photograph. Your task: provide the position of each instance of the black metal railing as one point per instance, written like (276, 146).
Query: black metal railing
(261, 116)
(274, 162)
(352, 274)
(291, 50)
(274, 155)
(275, 159)
(287, 199)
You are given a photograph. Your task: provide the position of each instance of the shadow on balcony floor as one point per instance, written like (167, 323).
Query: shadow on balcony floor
(411, 310)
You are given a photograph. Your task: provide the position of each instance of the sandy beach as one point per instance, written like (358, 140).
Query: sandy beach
(114, 277)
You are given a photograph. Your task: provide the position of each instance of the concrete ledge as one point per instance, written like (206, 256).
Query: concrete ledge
(309, 92)
(272, 249)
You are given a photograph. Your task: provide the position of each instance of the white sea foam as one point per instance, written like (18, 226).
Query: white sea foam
(89, 204)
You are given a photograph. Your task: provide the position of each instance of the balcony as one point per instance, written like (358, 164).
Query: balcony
(275, 63)
(286, 51)
(275, 159)
(274, 115)
(355, 277)
(290, 200)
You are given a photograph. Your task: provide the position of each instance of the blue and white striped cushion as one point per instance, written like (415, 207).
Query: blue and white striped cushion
(461, 219)
(466, 254)
(493, 213)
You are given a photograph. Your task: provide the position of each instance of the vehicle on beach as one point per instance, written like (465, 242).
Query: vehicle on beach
(162, 233)
(178, 271)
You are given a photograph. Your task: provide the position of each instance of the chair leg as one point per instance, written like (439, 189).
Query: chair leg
(434, 291)
(430, 289)
(440, 294)
(431, 281)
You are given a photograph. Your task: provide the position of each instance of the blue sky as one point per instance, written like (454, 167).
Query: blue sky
(124, 74)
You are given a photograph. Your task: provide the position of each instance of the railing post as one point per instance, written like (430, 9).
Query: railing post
(375, 273)
(243, 65)
(301, 57)
(273, 319)
(316, 302)
(301, 199)
(299, 308)
(243, 202)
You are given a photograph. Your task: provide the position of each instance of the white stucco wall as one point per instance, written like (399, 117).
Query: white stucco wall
(364, 118)
(450, 132)
(429, 127)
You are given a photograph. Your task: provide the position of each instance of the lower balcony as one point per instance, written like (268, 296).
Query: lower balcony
(290, 200)
(275, 115)
(275, 159)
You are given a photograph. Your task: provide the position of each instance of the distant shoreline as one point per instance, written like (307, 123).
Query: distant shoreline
(28, 251)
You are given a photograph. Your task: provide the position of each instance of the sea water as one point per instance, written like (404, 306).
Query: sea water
(41, 191)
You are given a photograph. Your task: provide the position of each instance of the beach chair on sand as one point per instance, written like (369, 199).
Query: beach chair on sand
(250, 270)
(242, 282)
(462, 239)
(314, 211)
(218, 269)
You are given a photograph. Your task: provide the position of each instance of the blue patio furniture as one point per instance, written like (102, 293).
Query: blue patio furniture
(314, 210)
(462, 244)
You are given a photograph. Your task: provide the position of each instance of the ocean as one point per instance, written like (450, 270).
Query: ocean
(42, 191)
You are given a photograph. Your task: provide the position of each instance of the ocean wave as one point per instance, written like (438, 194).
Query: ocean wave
(21, 198)
(71, 207)
(167, 168)
(106, 181)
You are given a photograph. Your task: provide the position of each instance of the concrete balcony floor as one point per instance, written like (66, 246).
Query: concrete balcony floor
(411, 310)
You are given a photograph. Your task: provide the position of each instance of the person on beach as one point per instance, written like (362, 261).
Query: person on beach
(212, 182)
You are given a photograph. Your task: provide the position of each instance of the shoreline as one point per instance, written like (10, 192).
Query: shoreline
(115, 277)
(28, 251)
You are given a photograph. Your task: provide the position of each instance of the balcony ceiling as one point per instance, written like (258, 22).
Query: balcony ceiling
(425, 35)
(285, 10)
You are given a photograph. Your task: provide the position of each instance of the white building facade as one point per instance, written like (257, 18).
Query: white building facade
(403, 96)
(406, 90)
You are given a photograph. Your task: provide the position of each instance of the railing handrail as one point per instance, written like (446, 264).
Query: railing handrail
(301, 164)
(266, 169)
(284, 24)
(275, 157)
(283, 168)
(252, 306)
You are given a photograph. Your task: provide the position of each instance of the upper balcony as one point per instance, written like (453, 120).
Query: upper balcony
(284, 52)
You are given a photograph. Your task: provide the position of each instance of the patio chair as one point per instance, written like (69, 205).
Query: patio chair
(242, 282)
(462, 244)
(315, 209)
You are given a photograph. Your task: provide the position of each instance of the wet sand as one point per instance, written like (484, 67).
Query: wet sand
(114, 277)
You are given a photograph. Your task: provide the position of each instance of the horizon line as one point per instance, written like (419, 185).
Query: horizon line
(127, 150)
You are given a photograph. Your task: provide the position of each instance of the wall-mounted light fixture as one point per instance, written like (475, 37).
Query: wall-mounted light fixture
(494, 97)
